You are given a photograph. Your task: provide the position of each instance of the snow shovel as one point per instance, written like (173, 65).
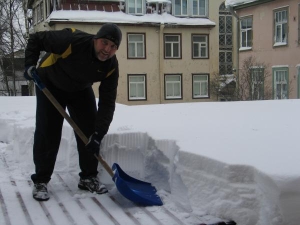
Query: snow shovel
(135, 190)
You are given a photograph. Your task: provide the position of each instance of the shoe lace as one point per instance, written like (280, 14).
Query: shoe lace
(93, 182)
(42, 187)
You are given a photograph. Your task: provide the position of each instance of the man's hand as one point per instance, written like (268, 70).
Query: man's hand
(93, 146)
(28, 72)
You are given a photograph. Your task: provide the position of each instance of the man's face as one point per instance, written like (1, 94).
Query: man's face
(104, 48)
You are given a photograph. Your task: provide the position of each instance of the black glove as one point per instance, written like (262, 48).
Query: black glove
(28, 72)
(93, 146)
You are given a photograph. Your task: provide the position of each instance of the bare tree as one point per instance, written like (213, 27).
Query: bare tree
(223, 87)
(12, 39)
(253, 83)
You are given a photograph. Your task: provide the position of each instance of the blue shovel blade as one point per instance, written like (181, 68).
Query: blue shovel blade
(135, 190)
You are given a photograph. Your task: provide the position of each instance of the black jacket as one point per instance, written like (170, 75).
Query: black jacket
(70, 65)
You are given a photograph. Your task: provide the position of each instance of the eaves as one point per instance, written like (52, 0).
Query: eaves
(250, 4)
(52, 22)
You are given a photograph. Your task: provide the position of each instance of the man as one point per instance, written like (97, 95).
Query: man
(74, 60)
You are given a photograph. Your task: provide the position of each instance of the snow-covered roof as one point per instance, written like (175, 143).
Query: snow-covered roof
(158, 1)
(232, 3)
(120, 17)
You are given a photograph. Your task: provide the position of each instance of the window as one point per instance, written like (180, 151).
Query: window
(246, 32)
(173, 87)
(136, 46)
(24, 90)
(172, 46)
(137, 87)
(135, 7)
(281, 26)
(225, 62)
(199, 7)
(200, 86)
(257, 84)
(280, 83)
(181, 7)
(225, 41)
(200, 46)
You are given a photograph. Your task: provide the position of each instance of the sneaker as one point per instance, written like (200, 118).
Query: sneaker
(40, 192)
(93, 185)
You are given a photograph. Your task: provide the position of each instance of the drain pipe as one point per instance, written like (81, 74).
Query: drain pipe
(230, 8)
(161, 61)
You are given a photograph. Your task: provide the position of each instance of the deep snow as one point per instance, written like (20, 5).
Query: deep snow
(233, 160)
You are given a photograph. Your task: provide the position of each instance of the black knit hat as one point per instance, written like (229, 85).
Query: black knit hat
(111, 32)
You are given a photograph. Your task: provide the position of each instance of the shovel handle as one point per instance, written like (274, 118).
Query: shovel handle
(61, 110)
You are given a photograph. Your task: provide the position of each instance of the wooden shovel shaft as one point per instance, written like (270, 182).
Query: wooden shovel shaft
(75, 127)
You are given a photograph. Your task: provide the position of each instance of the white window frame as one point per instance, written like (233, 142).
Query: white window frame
(136, 4)
(246, 42)
(280, 77)
(202, 85)
(174, 86)
(138, 46)
(134, 86)
(172, 45)
(280, 27)
(196, 8)
(200, 45)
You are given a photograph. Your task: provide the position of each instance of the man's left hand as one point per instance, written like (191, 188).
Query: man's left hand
(93, 146)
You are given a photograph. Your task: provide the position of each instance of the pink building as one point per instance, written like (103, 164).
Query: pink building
(269, 32)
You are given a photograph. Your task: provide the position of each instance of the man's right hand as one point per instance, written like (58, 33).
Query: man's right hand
(28, 72)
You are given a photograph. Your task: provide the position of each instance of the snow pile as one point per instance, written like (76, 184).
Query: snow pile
(193, 181)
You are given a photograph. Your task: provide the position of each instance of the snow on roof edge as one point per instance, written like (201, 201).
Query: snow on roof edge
(120, 17)
(232, 3)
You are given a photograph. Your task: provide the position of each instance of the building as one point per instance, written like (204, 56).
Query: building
(15, 79)
(269, 32)
(170, 49)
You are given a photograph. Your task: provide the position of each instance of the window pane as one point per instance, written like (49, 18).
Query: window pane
(199, 38)
(196, 89)
(177, 7)
(172, 38)
(200, 78)
(203, 88)
(177, 89)
(139, 6)
(140, 90)
(140, 50)
(168, 50)
(172, 78)
(202, 7)
(175, 50)
(169, 89)
(203, 52)
(184, 7)
(135, 37)
(132, 88)
(196, 50)
(131, 49)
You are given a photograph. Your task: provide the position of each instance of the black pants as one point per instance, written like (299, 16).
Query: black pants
(82, 109)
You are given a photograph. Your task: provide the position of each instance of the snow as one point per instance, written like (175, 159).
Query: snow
(233, 160)
(158, 1)
(238, 2)
(120, 17)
